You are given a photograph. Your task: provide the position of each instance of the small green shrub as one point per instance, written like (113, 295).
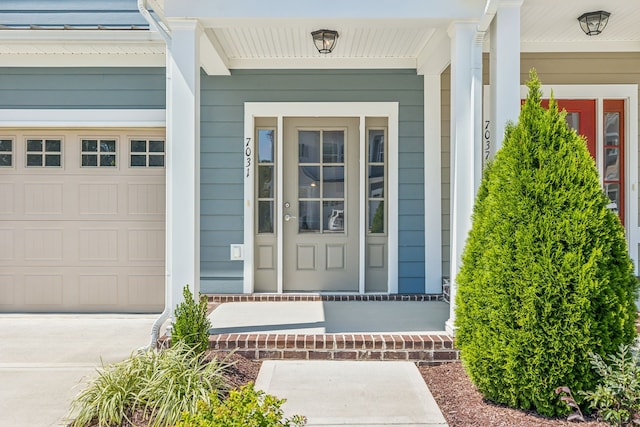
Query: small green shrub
(546, 277)
(161, 384)
(617, 398)
(245, 407)
(191, 325)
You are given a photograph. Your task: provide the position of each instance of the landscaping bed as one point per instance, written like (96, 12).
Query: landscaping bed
(241, 372)
(463, 406)
(456, 396)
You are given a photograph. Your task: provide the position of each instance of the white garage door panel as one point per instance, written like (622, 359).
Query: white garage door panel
(134, 198)
(81, 243)
(73, 289)
(82, 239)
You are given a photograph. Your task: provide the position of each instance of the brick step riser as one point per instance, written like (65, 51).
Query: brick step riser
(222, 298)
(418, 357)
(417, 348)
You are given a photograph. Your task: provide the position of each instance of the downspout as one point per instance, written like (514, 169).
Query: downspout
(168, 304)
(160, 27)
(490, 10)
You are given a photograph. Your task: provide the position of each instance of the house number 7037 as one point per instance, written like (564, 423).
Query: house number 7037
(487, 139)
(247, 156)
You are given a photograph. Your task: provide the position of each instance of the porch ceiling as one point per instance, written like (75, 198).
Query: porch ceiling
(551, 25)
(253, 34)
(408, 42)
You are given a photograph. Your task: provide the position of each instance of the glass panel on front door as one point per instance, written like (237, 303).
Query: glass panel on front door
(613, 154)
(321, 182)
(266, 180)
(376, 181)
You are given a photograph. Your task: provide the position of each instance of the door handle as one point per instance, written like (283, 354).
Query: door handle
(288, 217)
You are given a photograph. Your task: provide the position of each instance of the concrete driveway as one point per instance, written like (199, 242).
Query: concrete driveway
(45, 359)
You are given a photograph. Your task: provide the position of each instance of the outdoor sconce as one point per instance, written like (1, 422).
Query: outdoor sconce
(325, 40)
(592, 23)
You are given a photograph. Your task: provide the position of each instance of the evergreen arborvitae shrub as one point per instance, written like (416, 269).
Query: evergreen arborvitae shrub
(191, 324)
(546, 277)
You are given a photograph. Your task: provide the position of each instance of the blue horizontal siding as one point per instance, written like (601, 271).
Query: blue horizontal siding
(411, 253)
(411, 205)
(82, 88)
(411, 222)
(410, 160)
(411, 192)
(224, 193)
(412, 285)
(222, 130)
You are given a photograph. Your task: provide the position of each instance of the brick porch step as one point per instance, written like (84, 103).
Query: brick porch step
(423, 349)
(222, 298)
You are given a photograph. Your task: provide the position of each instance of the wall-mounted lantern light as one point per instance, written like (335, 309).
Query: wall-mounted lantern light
(592, 23)
(325, 40)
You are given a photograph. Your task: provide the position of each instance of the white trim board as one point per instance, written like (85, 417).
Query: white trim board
(82, 118)
(319, 109)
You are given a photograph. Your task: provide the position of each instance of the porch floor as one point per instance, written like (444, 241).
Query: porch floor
(328, 327)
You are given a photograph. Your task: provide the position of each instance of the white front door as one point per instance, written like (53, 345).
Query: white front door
(321, 197)
(320, 204)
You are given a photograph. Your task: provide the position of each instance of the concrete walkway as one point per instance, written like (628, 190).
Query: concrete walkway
(46, 359)
(339, 393)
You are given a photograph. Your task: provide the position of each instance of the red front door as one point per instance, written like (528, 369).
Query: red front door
(581, 116)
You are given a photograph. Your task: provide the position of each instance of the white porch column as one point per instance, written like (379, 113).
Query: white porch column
(466, 77)
(432, 185)
(504, 70)
(183, 159)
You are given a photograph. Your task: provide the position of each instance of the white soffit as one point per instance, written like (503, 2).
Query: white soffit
(52, 48)
(281, 47)
(552, 26)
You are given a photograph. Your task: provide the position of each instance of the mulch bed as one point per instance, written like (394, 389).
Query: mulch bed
(457, 397)
(241, 372)
(463, 406)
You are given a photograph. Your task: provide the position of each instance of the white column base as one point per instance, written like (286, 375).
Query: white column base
(449, 327)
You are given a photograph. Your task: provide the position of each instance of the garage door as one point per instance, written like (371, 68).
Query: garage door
(82, 220)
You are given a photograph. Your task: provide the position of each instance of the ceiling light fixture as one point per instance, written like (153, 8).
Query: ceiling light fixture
(592, 23)
(325, 40)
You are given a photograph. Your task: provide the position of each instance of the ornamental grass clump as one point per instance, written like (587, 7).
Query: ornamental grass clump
(546, 278)
(156, 385)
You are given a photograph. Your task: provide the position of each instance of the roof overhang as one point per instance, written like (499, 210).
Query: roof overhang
(81, 48)
(252, 34)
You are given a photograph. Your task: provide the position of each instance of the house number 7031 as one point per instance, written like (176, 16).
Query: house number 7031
(247, 156)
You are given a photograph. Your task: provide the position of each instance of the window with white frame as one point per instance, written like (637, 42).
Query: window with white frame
(146, 153)
(44, 152)
(98, 153)
(6, 152)
(376, 181)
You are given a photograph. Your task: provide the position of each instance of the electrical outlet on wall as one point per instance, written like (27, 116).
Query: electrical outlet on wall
(237, 252)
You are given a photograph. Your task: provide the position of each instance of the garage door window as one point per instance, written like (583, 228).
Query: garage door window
(99, 153)
(44, 153)
(6, 152)
(147, 153)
